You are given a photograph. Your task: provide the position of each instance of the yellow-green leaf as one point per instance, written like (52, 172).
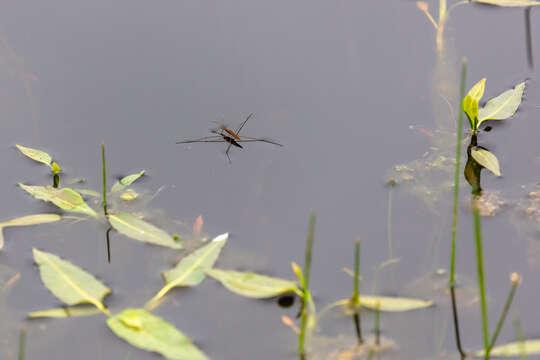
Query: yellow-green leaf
(138, 229)
(68, 311)
(503, 106)
(509, 3)
(393, 304)
(27, 220)
(55, 168)
(253, 285)
(126, 181)
(66, 199)
(470, 102)
(68, 282)
(518, 348)
(486, 159)
(146, 331)
(191, 270)
(36, 155)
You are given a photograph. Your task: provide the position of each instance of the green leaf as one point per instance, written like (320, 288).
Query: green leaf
(393, 304)
(486, 159)
(68, 282)
(27, 220)
(509, 3)
(69, 311)
(36, 155)
(253, 285)
(55, 168)
(503, 106)
(126, 181)
(138, 229)
(527, 347)
(191, 270)
(66, 199)
(146, 331)
(470, 102)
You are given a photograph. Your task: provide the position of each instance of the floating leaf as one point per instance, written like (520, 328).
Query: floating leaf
(129, 195)
(393, 304)
(503, 106)
(191, 270)
(146, 331)
(68, 311)
(66, 199)
(126, 181)
(509, 3)
(138, 229)
(28, 220)
(470, 102)
(253, 285)
(36, 155)
(528, 347)
(486, 159)
(68, 282)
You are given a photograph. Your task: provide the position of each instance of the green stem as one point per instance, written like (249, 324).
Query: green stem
(442, 10)
(356, 272)
(457, 174)
(305, 286)
(515, 283)
(480, 270)
(104, 172)
(377, 325)
(22, 343)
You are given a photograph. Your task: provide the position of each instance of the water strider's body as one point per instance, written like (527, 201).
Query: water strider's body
(224, 134)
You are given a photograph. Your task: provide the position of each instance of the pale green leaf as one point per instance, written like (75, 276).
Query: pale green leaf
(527, 347)
(68, 282)
(503, 106)
(36, 155)
(487, 160)
(55, 168)
(253, 285)
(470, 102)
(126, 181)
(393, 304)
(509, 3)
(138, 229)
(146, 331)
(27, 220)
(191, 270)
(89, 192)
(66, 199)
(68, 311)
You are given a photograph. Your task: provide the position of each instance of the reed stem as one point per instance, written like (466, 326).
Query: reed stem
(377, 325)
(104, 172)
(22, 343)
(480, 270)
(355, 296)
(305, 287)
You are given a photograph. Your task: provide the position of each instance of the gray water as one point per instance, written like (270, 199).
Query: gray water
(344, 85)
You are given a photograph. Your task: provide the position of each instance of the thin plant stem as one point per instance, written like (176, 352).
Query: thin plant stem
(305, 287)
(456, 322)
(480, 270)
(457, 174)
(442, 10)
(515, 282)
(355, 297)
(520, 338)
(391, 185)
(377, 325)
(22, 343)
(107, 235)
(104, 172)
(528, 38)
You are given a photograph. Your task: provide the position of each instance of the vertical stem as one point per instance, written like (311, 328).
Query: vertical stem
(391, 184)
(355, 297)
(104, 172)
(442, 10)
(456, 322)
(457, 174)
(515, 282)
(528, 38)
(377, 325)
(22, 343)
(480, 270)
(305, 287)
(108, 244)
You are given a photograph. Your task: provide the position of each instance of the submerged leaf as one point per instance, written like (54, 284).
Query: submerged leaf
(138, 229)
(68, 282)
(509, 3)
(27, 220)
(487, 160)
(126, 181)
(527, 347)
(393, 304)
(68, 311)
(36, 155)
(503, 106)
(253, 285)
(191, 270)
(66, 199)
(146, 331)
(470, 102)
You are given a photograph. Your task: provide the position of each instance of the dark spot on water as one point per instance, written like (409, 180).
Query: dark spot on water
(487, 129)
(286, 301)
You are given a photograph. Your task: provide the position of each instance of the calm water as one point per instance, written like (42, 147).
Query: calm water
(351, 88)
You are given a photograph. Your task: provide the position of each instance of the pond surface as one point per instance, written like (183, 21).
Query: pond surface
(351, 88)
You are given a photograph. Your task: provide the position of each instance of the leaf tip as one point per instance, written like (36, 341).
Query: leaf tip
(221, 237)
